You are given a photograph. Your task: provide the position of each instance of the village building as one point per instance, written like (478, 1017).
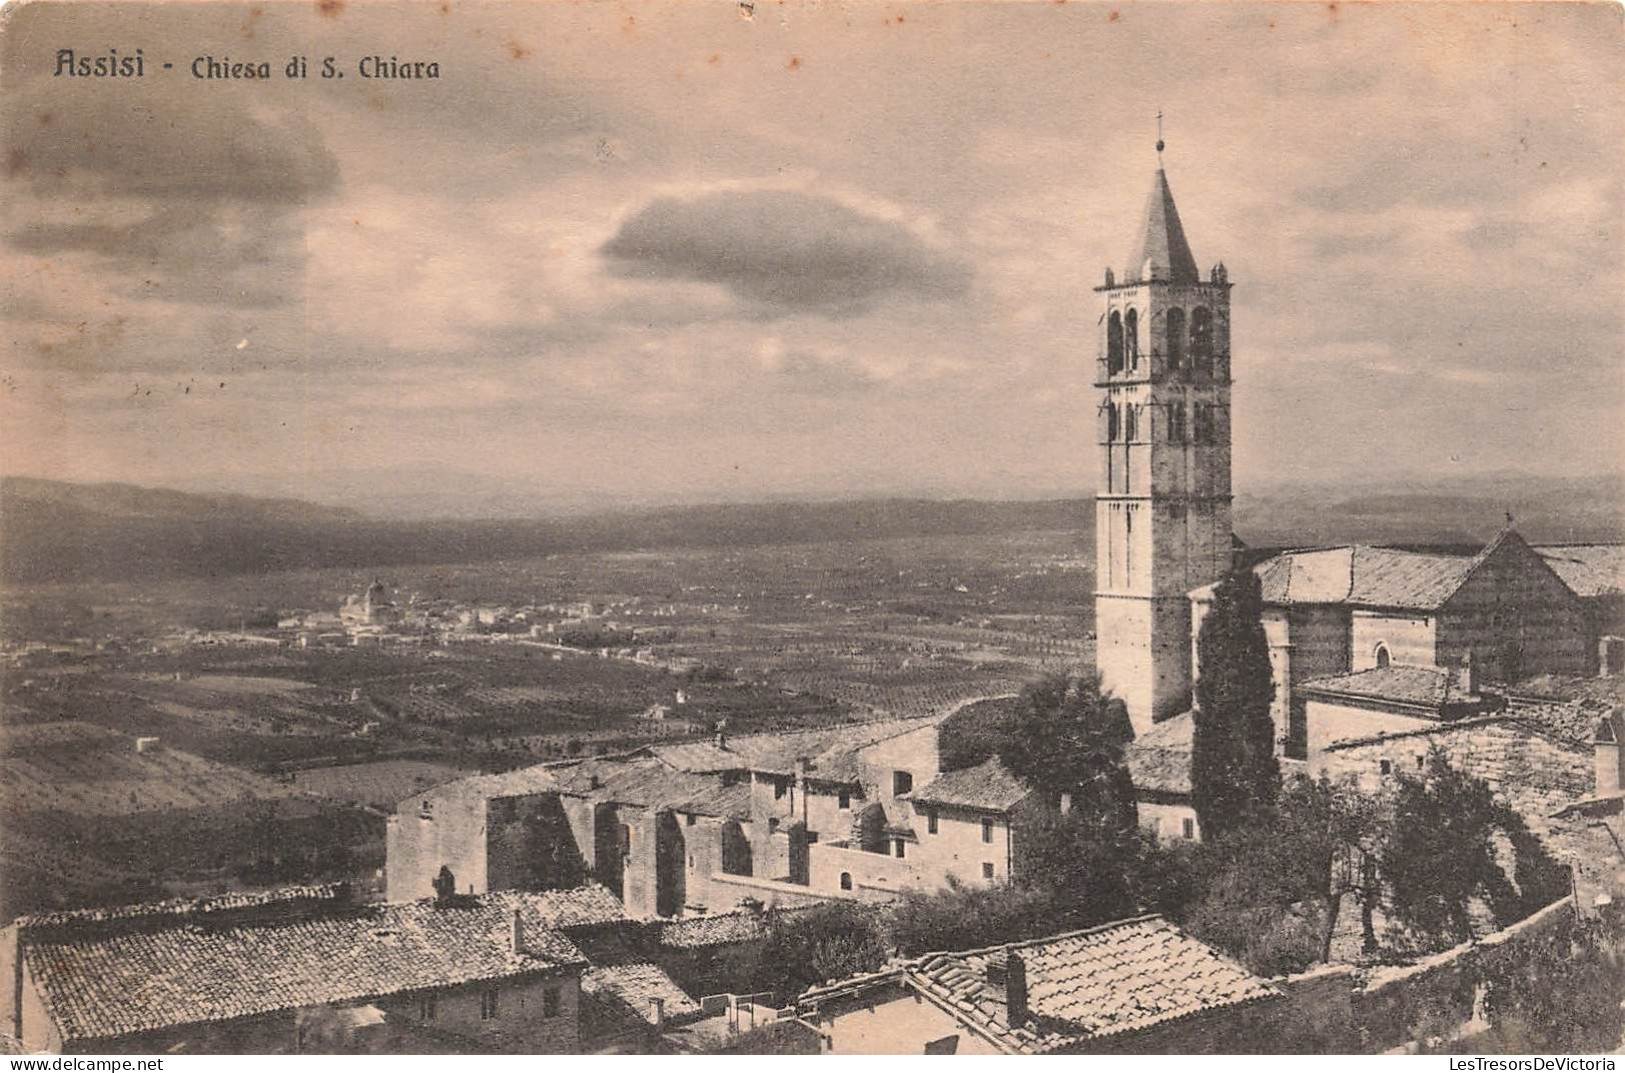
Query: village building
(859, 812)
(1138, 986)
(309, 970)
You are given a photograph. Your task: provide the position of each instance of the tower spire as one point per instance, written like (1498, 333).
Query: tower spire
(1159, 137)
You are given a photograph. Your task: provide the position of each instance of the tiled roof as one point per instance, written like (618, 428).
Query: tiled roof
(830, 748)
(576, 907)
(1160, 759)
(720, 929)
(1429, 687)
(1081, 986)
(1359, 575)
(1163, 239)
(1588, 569)
(141, 971)
(989, 787)
(616, 999)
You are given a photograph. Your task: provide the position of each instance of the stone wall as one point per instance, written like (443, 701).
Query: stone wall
(1397, 1006)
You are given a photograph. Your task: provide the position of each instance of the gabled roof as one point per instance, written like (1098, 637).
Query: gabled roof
(1588, 569)
(1359, 575)
(1159, 760)
(108, 975)
(987, 787)
(831, 749)
(1427, 687)
(615, 999)
(1162, 240)
(1085, 985)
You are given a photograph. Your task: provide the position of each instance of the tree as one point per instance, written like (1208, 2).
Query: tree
(1234, 773)
(828, 942)
(1441, 853)
(1273, 894)
(1332, 833)
(1067, 736)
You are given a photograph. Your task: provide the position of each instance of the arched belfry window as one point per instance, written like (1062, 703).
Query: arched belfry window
(1114, 343)
(1131, 337)
(1131, 423)
(1383, 659)
(1202, 339)
(1111, 422)
(1175, 328)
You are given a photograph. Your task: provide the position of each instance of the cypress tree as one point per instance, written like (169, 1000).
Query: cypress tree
(1234, 774)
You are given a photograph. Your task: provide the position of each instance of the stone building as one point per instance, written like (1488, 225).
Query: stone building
(293, 971)
(1162, 497)
(1138, 986)
(859, 811)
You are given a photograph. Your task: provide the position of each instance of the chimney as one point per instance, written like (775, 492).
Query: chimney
(1008, 974)
(1015, 989)
(516, 934)
(721, 739)
(1610, 756)
(445, 887)
(657, 1014)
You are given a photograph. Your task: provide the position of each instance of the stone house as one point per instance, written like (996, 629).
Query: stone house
(305, 970)
(1138, 986)
(778, 819)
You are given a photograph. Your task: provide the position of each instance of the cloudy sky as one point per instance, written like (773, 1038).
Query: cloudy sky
(665, 251)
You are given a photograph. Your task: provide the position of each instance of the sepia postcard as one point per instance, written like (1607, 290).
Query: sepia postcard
(810, 527)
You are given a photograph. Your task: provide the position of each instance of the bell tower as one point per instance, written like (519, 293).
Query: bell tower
(1162, 499)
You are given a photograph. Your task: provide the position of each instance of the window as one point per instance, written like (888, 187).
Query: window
(1111, 422)
(846, 880)
(1203, 412)
(1114, 344)
(550, 1002)
(1188, 827)
(689, 819)
(1131, 423)
(778, 790)
(1176, 422)
(1131, 338)
(987, 869)
(1386, 767)
(901, 783)
(426, 1008)
(1176, 338)
(488, 1004)
(844, 799)
(987, 830)
(1421, 761)
(1202, 339)
(931, 821)
(1382, 656)
(625, 836)
(898, 848)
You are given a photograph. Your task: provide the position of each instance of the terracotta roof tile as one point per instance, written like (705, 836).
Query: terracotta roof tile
(1086, 985)
(1588, 569)
(137, 971)
(988, 787)
(1160, 759)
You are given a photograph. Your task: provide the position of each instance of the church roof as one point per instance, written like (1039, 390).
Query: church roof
(1358, 575)
(1162, 241)
(1588, 569)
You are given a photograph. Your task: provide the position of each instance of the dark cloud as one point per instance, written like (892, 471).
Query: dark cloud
(783, 251)
(243, 256)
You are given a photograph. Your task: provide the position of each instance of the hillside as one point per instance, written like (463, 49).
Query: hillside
(55, 532)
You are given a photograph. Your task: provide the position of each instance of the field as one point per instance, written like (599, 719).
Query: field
(89, 819)
(277, 761)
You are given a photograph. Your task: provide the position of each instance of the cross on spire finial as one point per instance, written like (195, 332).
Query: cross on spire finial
(1159, 135)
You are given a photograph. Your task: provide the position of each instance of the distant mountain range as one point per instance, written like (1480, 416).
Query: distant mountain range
(59, 532)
